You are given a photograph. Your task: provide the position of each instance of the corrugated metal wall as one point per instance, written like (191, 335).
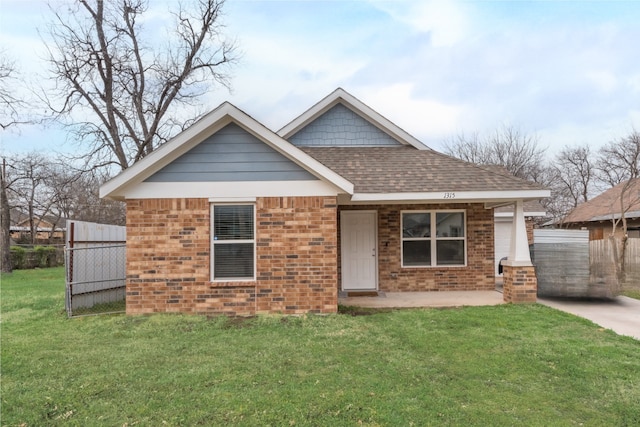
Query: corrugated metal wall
(569, 265)
(561, 258)
(96, 265)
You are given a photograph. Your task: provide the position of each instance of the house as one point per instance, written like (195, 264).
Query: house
(231, 217)
(597, 215)
(20, 228)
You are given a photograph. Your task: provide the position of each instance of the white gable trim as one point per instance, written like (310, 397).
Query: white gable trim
(340, 96)
(123, 184)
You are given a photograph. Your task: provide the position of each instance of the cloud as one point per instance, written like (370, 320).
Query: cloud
(423, 118)
(566, 70)
(447, 22)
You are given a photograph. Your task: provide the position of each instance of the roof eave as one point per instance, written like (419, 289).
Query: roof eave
(489, 198)
(526, 213)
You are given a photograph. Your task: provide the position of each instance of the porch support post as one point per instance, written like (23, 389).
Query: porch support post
(520, 282)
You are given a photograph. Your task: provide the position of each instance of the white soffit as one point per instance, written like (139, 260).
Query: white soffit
(489, 198)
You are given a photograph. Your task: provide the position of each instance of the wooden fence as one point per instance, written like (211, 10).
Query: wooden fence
(632, 280)
(95, 265)
(603, 267)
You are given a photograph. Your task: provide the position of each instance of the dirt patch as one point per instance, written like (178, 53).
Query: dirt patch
(362, 311)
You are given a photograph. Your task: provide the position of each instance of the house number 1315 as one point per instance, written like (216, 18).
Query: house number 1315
(449, 195)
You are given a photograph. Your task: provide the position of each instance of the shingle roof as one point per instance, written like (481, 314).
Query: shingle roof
(408, 170)
(607, 204)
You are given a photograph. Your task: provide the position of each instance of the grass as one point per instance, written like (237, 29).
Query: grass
(503, 365)
(632, 293)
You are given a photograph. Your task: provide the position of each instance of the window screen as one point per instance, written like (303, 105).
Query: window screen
(432, 239)
(233, 242)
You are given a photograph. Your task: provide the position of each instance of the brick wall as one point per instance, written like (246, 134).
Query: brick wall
(520, 284)
(477, 275)
(167, 254)
(297, 255)
(530, 225)
(168, 263)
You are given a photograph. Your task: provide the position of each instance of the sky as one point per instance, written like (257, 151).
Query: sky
(565, 71)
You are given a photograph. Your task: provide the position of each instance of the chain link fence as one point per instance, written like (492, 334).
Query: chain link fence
(95, 279)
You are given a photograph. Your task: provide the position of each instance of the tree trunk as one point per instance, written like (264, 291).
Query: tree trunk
(5, 224)
(622, 277)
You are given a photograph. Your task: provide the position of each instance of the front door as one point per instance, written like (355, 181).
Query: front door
(359, 250)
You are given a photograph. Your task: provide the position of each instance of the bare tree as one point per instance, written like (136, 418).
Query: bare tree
(12, 105)
(129, 87)
(508, 147)
(575, 174)
(74, 195)
(12, 114)
(619, 166)
(619, 160)
(26, 178)
(50, 190)
(560, 202)
(470, 148)
(5, 223)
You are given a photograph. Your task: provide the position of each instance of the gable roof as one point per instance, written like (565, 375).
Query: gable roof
(340, 96)
(20, 219)
(209, 124)
(16, 216)
(606, 206)
(405, 173)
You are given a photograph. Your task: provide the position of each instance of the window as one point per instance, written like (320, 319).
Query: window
(431, 239)
(232, 242)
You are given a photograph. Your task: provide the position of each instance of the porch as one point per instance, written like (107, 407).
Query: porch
(421, 299)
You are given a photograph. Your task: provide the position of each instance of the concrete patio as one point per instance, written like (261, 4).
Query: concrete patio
(423, 299)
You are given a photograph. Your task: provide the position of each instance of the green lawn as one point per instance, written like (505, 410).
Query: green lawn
(632, 293)
(504, 365)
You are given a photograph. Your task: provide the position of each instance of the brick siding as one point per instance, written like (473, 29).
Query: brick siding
(477, 275)
(168, 258)
(520, 284)
(530, 225)
(297, 253)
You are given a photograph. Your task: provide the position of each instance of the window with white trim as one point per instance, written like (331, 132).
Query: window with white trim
(232, 242)
(433, 238)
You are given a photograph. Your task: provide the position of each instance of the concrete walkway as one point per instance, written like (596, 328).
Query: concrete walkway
(424, 299)
(620, 314)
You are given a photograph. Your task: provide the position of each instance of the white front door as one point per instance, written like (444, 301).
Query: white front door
(359, 250)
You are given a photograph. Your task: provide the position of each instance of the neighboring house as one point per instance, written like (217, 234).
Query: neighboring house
(503, 226)
(231, 217)
(20, 228)
(597, 214)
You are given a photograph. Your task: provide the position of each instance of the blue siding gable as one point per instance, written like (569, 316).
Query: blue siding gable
(341, 127)
(230, 155)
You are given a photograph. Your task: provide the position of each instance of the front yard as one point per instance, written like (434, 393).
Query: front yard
(502, 365)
